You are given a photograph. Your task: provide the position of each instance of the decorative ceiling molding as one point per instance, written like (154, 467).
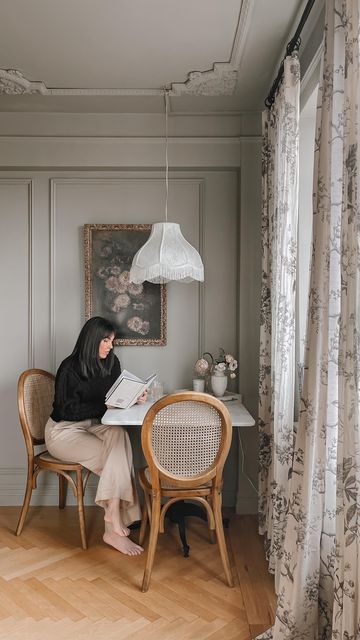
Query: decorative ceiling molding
(218, 81)
(12, 82)
(221, 79)
(105, 92)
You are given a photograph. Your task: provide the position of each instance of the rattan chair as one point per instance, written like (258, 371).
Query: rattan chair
(35, 397)
(186, 438)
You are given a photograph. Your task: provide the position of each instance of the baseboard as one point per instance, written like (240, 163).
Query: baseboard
(13, 483)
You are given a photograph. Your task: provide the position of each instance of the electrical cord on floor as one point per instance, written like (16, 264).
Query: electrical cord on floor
(243, 464)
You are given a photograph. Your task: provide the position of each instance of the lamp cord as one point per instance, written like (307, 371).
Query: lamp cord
(166, 96)
(243, 471)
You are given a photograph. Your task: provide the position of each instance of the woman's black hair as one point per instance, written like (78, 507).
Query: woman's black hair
(86, 349)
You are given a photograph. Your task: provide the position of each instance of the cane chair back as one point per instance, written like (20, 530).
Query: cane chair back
(35, 397)
(186, 438)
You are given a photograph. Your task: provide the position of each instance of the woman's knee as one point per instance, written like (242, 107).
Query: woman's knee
(117, 434)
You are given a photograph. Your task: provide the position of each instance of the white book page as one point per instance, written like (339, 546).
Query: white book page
(123, 375)
(127, 389)
(130, 376)
(126, 394)
(150, 379)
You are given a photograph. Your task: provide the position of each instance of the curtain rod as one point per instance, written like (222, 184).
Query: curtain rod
(292, 46)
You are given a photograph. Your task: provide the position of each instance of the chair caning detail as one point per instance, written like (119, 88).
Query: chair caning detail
(38, 400)
(186, 437)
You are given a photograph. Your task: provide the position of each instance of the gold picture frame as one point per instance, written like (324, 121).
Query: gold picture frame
(138, 312)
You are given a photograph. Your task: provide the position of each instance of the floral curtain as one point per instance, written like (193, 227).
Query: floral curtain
(280, 155)
(319, 589)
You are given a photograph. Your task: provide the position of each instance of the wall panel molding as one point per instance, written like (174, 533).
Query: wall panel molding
(29, 182)
(52, 314)
(56, 183)
(118, 152)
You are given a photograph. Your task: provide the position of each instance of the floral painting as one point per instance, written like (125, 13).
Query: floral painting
(137, 311)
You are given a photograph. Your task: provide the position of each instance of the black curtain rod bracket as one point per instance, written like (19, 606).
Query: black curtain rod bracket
(292, 46)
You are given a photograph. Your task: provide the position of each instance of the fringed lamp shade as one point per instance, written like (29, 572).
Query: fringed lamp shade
(166, 256)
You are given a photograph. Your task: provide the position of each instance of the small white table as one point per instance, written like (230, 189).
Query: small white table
(135, 415)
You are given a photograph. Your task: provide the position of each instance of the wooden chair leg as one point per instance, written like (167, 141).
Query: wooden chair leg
(144, 519)
(62, 491)
(221, 539)
(154, 532)
(212, 534)
(26, 503)
(80, 505)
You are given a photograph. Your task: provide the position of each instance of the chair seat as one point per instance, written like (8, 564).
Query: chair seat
(46, 457)
(168, 485)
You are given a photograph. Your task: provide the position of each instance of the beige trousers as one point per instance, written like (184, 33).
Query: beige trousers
(106, 451)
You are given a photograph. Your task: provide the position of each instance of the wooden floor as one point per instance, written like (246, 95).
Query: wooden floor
(50, 588)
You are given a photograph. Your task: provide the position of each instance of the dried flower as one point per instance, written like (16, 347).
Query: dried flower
(224, 363)
(202, 367)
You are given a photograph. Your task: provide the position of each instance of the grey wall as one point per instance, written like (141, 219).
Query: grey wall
(50, 186)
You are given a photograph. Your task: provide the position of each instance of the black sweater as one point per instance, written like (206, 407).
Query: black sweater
(79, 398)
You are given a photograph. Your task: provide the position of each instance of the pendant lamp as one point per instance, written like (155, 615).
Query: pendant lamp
(166, 255)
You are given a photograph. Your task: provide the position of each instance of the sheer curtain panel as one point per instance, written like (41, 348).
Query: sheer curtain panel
(319, 591)
(280, 169)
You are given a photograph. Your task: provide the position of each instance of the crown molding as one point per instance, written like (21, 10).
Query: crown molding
(13, 82)
(242, 30)
(222, 78)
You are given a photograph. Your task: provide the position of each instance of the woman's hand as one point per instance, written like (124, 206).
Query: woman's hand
(141, 399)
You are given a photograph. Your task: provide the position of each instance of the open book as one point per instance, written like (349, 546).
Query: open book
(127, 389)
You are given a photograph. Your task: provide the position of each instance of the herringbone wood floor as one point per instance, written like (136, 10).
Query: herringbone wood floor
(50, 588)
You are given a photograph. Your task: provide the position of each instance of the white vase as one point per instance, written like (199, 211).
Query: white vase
(219, 383)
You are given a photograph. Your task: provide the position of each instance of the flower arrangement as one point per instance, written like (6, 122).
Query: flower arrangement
(225, 363)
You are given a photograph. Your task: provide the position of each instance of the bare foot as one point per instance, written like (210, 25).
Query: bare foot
(112, 518)
(123, 544)
(117, 527)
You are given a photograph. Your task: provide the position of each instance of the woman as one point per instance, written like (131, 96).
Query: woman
(74, 431)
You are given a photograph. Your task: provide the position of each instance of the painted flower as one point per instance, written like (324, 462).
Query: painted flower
(134, 323)
(112, 283)
(115, 285)
(124, 278)
(138, 306)
(145, 328)
(102, 273)
(105, 251)
(138, 325)
(135, 289)
(115, 270)
(121, 302)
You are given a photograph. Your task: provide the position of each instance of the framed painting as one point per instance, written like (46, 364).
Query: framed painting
(137, 311)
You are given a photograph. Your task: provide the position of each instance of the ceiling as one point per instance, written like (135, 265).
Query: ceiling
(215, 56)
